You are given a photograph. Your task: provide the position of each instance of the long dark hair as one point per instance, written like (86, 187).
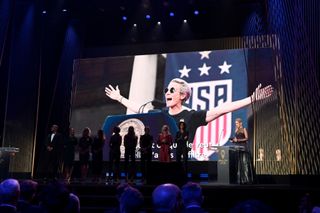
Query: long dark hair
(131, 132)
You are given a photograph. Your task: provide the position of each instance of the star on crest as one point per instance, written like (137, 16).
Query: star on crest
(204, 69)
(225, 67)
(205, 54)
(184, 72)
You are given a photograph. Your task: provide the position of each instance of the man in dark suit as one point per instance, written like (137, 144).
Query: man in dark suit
(9, 195)
(53, 153)
(192, 198)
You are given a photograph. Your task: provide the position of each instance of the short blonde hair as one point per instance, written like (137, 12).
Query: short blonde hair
(185, 88)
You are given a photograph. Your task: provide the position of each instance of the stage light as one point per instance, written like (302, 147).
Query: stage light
(159, 23)
(204, 175)
(196, 12)
(185, 21)
(171, 14)
(148, 16)
(64, 10)
(44, 12)
(124, 18)
(135, 25)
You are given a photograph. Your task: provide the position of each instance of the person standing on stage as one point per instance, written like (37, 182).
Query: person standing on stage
(245, 166)
(146, 141)
(164, 141)
(178, 92)
(97, 155)
(114, 154)
(85, 143)
(69, 151)
(130, 144)
(181, 139)
(241, 134)
(53, 153)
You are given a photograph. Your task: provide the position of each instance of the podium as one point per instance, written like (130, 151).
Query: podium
(155, 120)
(6, 155)
(227, 164)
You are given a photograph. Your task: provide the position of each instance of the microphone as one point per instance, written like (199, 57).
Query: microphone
(141, 108)
(158, 104)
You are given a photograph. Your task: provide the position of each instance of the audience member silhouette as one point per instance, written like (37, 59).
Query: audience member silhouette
(54, 197)
(192, 198)
(9, 195)
(114, 154)
(73, 205)
(119, 190)
(130, 144)
(27, 202)
(166, 198)
(131, 201)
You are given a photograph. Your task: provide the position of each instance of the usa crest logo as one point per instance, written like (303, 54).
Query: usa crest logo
(217, 132)
(215, 77)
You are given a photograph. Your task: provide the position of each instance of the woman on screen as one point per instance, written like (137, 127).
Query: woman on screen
(178, 92)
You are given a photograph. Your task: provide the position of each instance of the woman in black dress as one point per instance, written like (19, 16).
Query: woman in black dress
(114, 154)
(84, 151)
(130, 144)
(245, 169)
(181, 139)
(97, 154)
(69, 149)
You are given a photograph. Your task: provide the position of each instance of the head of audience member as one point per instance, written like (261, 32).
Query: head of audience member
(131, 200)
(167, 198)
(73, 205)
(9, 192)
(54, 197)
(251, 206)
(191, 194)
(120, 189)
(28, 190)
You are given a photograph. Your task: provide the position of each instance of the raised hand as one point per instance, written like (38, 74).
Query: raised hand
(262, 93)
(113, 93)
